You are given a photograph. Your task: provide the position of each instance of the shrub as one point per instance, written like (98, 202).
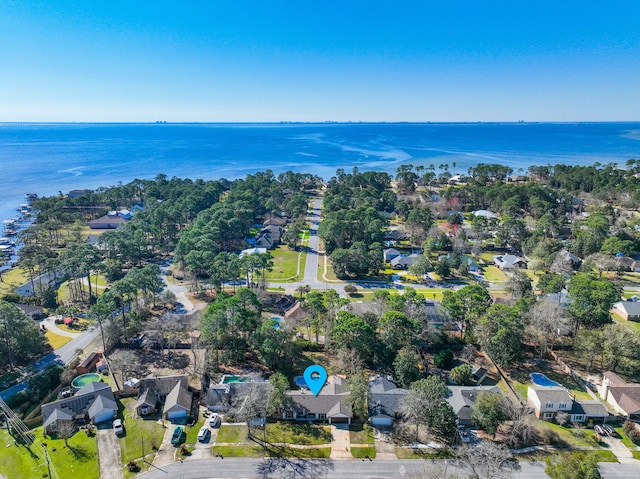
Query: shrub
(443, 359)
(631, 431)
(350, 289)
(133, 466)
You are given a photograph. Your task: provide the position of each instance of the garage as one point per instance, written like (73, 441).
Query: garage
(381, 421)
(102, 409)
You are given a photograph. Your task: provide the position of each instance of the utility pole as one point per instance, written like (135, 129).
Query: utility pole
(46, 456)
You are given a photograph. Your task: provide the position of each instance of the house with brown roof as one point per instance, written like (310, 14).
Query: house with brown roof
(170, 392)
(624, 397)
(331, 404)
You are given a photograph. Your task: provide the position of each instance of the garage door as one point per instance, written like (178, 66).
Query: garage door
(176, 414)
(381, 421)
(103, 416)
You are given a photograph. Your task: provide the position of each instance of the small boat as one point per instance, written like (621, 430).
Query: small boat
(31, 196)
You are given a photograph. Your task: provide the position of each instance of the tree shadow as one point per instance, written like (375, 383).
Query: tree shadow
(81, 453)
(294, 468)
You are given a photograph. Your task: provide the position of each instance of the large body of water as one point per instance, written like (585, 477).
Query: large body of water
(48, 158)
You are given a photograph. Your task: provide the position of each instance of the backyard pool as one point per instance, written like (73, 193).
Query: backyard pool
(277, 319)
(232, 378)
(542, 380)
(300, 382)
(85, 379)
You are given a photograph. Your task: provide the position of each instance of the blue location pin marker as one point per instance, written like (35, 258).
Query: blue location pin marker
(315, 377)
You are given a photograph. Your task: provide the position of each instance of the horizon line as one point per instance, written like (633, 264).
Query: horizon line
(326, 122)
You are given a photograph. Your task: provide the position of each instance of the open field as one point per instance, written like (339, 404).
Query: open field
(56, 341)
(12, 279)
(285, 264)
(494, 274)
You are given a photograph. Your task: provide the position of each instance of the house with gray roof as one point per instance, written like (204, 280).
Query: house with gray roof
(93, 403)
(178, 403)
(404, 262)
(548, 401)
(509, 261)
(389, 254)
(629, 310)
(154, 391)
(230, 397)
(331, 404)
(462, 400)
(384, 401)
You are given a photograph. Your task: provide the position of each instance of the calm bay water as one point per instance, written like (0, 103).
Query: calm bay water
(48, 158)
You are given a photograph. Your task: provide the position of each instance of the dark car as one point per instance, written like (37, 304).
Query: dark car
(177, 436)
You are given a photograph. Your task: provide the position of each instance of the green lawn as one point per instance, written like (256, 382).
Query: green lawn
(285, 264)
(79, 459)
(296, 433)
(238, 451)
(137, 430)
(573, 437)
(232, 433)
(12, 279)
(361, 433)
(635, 454)
(625, 440)
(494, 274)
(56, 341)
(633, 325)
(192, 431)
(368, 452)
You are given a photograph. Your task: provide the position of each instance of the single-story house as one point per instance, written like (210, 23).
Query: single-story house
(384, 401)
(509, 261)
(329, 405)
(473, 265)
(42, 282)
(462, 400)
(566, 256)
(93, 403)
(404, 262)
(155, 391)
(34, 312)
(389, 254)
(111, 221)
(624, 397)
(178, 403)
(628, 264)
(629, 310)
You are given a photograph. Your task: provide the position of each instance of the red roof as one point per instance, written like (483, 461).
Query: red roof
(67, 320)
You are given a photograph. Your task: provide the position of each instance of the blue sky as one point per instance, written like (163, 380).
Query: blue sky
(270, 60)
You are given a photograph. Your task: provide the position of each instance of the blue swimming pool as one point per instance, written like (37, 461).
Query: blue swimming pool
(542, 380)
(300, 382)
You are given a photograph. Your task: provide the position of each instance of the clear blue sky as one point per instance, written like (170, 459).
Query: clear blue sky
(270, 60)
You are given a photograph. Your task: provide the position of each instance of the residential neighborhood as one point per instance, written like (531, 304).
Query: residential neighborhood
(479, 330)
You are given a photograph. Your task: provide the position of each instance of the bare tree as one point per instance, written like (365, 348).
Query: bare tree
(65, 429)
(487, 460)
(469, 353)
(521, 431)
(546, 321)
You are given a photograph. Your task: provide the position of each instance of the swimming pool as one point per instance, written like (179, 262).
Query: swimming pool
(277, 320)
(542, 380)
(232, 378)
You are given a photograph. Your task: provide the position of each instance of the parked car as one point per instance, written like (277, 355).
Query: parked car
(214, 420)
(600, 430)
(464, 435)
(118, 428)
(177, 435)
(203, 433)
(609, 430)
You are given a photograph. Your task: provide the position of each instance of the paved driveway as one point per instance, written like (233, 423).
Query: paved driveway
(109, 454)
(340, 442)
(166, 451)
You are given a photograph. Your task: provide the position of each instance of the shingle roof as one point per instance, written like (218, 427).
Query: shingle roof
(552, 394)
(330, 401)
(632, 308)
(147, 398)
(100, 404)
(179, 396)
(385, 398)
(79, 403)
(56, 415)
(462, 398)
(163, 385)
(589, 408)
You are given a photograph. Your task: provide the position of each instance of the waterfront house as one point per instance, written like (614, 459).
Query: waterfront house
(111, 221)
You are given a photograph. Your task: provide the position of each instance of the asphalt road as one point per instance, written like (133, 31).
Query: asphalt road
(249, 468)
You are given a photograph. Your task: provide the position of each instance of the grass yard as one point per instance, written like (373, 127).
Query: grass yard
(295, 433)
(285, 264)
(136, 429)
(238, 451)
(633, 325)
(423, 453)
(79, 459)
(635, 454)
(368, 452)
(573, 437)
(56, 341)
(326, 272)
(12, 279)
(192, 431)
(493, 274)
(232, 434)
(625, 440)
(361, 433)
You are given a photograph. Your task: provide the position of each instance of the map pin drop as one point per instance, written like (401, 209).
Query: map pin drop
(315, 377)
